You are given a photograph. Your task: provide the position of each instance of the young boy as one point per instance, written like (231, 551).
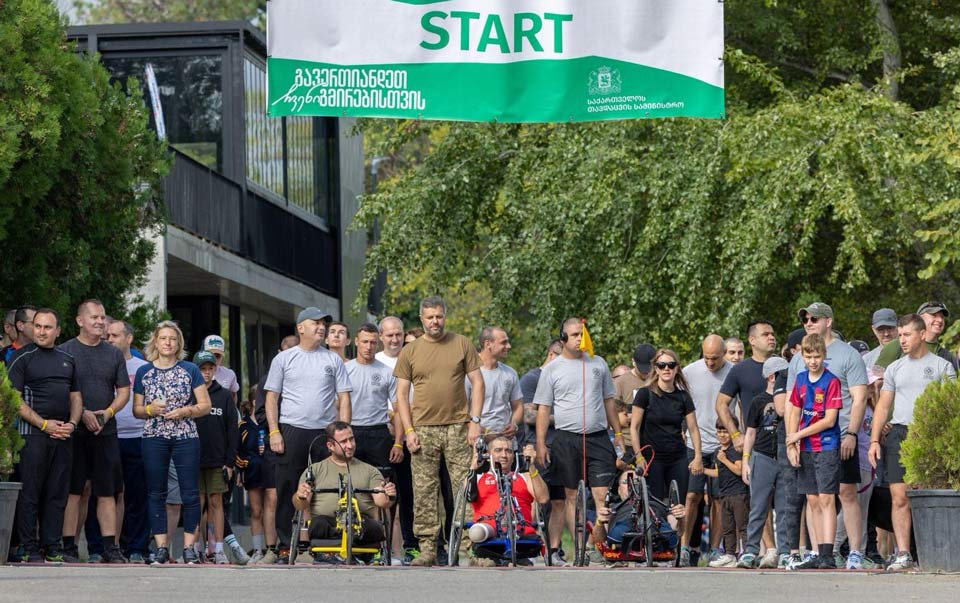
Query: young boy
(813, 446)
(734, 496)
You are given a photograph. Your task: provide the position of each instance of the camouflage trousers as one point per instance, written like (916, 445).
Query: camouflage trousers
(451, 441)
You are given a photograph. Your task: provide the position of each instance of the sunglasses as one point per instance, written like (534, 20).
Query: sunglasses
(666, 365)
(811, 319)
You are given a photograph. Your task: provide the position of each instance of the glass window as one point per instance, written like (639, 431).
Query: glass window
(264, 135)
(191, 96)
(300, 164)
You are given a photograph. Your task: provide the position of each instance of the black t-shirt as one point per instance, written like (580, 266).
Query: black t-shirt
(45, 377)
(528, 388)
(764, 418)
(101, 369)
(745, 380)
(729, 482)
(664, 418)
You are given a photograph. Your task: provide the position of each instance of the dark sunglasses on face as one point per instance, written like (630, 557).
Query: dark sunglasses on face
(666, 365)
(811, 319)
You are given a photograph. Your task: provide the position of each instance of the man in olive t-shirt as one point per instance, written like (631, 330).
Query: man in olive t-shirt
(436, 422)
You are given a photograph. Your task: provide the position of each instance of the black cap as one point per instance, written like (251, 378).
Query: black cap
(859, 345)
(643, 357)
(795, 338)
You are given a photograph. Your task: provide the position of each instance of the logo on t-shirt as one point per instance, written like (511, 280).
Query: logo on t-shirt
(596, 372)
(818, 397)
(927, 372)
(376, 378)
(328, 370)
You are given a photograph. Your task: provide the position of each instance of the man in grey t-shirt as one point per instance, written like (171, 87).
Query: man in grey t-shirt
(502, 399)
(847, 364)
(309, 377)
(373, 396)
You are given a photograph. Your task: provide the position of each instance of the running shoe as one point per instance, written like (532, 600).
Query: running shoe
(326, 559)
(747, 561)
(839, 560)
(854, 560)
(724, 560)
(190, 556)
(135, 558)
(809, 561)
(684, 557)
(556, 560)
(903, 561)
(113, 555)
(442, 558)
(31, 557)
(256, 557)
(161, 556)
(424, 559)
(594, 556)
(220, 558)
(829, 562)
(769, 559)
(784, 560)
(239, 555)
(269, 557)
(53, 555)
(94, 558)
(409, 555)
(482, 562)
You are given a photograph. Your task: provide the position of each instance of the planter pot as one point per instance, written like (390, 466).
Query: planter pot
(937, 531)
(9, 491)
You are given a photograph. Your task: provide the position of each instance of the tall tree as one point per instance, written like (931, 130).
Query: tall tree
(140, 11)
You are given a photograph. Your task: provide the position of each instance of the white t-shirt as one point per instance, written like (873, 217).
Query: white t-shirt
(703, 385)
(128, 426)
(309, 382)
(227, 379)
(501, 386)
(561, 386)
(908, 377)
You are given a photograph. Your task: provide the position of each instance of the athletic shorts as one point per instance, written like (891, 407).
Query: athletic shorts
(211, 480)
(893, 468)
(850, 468)
(702, 484)
(819, 472)
(96, 458)
(566, 456)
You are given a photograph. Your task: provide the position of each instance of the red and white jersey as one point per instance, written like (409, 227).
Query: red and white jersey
(488, 501)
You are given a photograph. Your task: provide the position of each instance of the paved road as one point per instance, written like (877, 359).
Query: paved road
(390, 585)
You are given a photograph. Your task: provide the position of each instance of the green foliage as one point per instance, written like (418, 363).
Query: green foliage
(931, 452)
(138, 11)
(10, 440)
(80, 171)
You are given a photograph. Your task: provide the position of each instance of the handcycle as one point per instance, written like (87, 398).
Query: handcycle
(645, 541)
(509, 544)
(349, 523)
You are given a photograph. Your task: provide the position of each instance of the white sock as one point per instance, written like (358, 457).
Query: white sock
(218, 547)
(258, 542)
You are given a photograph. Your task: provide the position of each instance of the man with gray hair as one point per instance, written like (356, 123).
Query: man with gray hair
(884, 327)
(503, 401)
(436, 422)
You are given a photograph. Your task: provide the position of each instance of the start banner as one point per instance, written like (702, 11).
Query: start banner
(496, 60)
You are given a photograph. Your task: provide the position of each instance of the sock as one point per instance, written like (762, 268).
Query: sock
(218, 547)
(258, 542)
(231, 541)
(69, 542)
(825, 550)
(109, 542)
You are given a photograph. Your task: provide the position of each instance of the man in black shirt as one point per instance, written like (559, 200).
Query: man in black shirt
(48, 382)
(745, 380)
(105, 388)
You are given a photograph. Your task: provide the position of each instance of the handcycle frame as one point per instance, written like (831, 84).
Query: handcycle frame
(645, 525)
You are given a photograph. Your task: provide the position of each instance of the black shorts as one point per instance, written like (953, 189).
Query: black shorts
(96, 458)
(893, 468)
(850, 468)
(819, 472)
(702, 484)
(566, 455)
(373, 445)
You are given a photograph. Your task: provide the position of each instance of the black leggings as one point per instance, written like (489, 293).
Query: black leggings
(323, 527)
(664, 469)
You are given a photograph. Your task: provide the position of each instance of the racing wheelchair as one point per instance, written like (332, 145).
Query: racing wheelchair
(510, 542)
(349, 522)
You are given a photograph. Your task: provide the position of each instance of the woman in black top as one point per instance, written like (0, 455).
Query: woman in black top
(660, 411)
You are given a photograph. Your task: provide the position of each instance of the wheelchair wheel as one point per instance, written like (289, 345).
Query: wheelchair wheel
(647, 523)
(295, 536)
(510, 523)
(580, 526)
(457, 523)
(674, 499)
(543, 529)
(348, 521)
(386, 549)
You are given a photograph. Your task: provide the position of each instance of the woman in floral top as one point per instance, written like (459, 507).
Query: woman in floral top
(169, 393)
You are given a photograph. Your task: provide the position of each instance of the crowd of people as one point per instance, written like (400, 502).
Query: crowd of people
(790, 455)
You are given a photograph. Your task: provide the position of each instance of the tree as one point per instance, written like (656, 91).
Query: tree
(80, 172)
(140, 11)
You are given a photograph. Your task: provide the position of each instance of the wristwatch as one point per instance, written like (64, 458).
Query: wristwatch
(475, 419)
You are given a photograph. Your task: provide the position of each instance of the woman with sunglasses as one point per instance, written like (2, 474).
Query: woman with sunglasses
(660, 411)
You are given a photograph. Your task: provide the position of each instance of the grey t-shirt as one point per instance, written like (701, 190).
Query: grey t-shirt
(374, 392)
(101, 369)
(501, 386)
(907, 378)
(309, 383)
(703, 385)
(871, 357)
(561, 386)
(844, 362)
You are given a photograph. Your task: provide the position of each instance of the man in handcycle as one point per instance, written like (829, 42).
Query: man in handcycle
(319, 493)
(617, 530)
(488, 530)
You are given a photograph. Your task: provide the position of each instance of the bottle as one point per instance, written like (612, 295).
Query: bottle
(260, 441)
(619, 450)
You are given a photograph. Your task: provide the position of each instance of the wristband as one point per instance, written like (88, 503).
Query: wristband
(746, 455)
(273, 432)
(149, 414)
(44, 426)
(855, 436)
(736, 434)
(617, 434)
(110, 410)
(396, 445)
(534, 473)
(408, 430)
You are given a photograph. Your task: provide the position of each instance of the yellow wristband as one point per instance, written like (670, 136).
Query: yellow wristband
(395, 445)
(746, 455)
(617, 434)
(110, 410)
(534, 474)
(736, 434)
(407, 430)
(273, 432)
(44, 426)
(149, 414)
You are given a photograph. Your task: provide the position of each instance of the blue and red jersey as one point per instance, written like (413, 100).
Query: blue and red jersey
(814, 400)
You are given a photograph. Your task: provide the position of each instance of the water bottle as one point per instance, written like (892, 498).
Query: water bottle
(260, 441)
(619, 450)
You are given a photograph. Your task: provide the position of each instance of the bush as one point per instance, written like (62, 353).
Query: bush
(931, 452)
(10, 440)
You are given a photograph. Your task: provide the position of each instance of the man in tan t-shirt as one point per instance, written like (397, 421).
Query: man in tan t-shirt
(627, 384)
(437, 421)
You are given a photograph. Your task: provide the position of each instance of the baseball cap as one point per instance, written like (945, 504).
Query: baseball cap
(643, 357)
(795, 338)
(932, 307)
(884, 317)
(313, 313)
(213, 343)
(774, 364)
(204, 357)
(860, 346)
(817, 309)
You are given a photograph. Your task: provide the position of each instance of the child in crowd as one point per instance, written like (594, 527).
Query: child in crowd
(734, 496)
(254, 475)
(813, 447)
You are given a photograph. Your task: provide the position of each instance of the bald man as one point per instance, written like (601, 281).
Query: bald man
(704, 378)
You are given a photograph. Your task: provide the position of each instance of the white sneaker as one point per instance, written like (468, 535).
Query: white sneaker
(556, 560)
(725, 560)
(769, 559)
(256, 557)
(240, 556)
(220, 558)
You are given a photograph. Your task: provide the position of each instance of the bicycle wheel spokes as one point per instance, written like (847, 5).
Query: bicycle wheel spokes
(580, 525)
